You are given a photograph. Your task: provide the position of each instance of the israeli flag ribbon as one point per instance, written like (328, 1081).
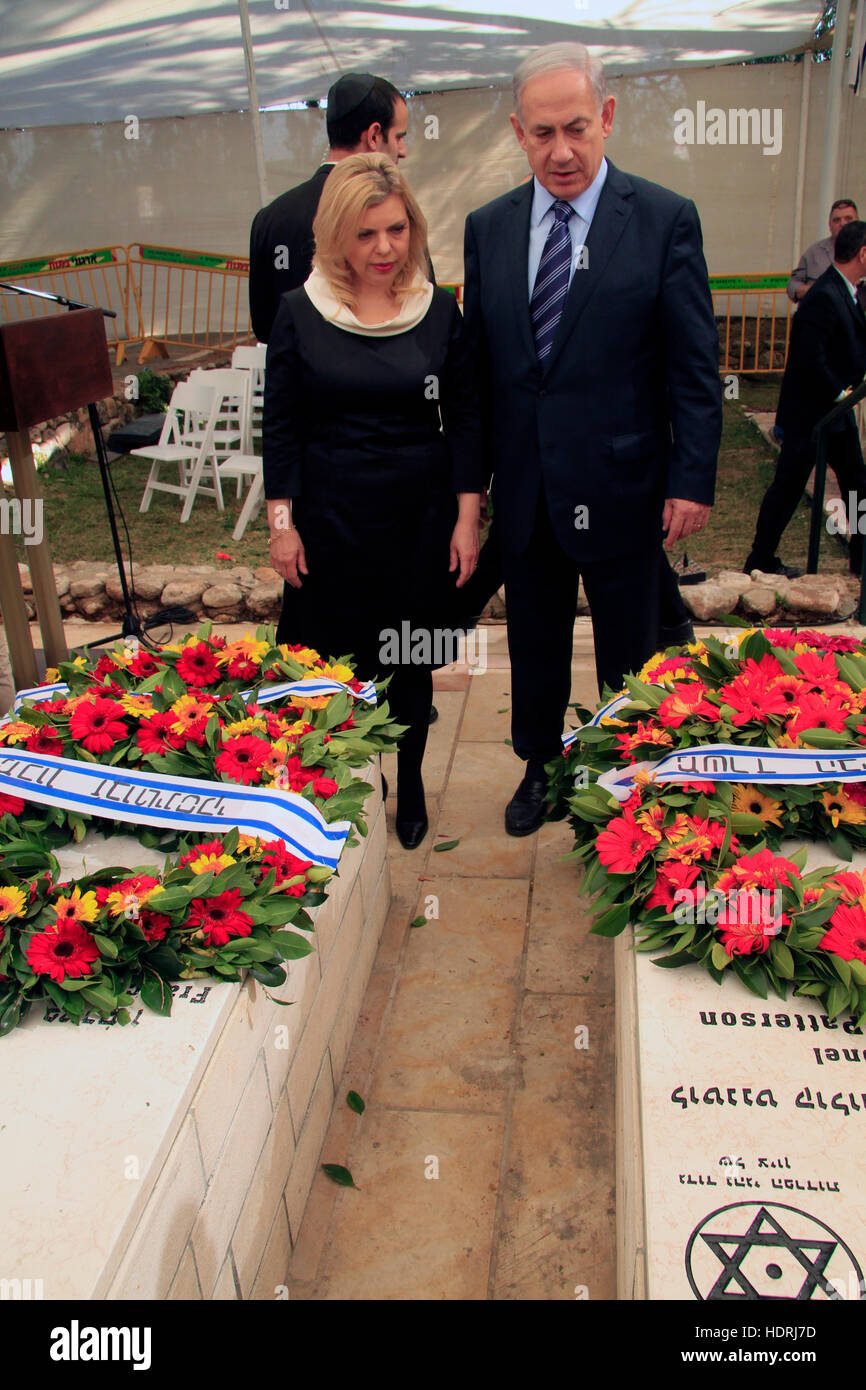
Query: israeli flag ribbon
(265, 696)
(177, 803)
(606, 711)
(731, 762)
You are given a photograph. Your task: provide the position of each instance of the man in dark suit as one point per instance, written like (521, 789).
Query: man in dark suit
(366, 115)
(588, 300)
(826, 357)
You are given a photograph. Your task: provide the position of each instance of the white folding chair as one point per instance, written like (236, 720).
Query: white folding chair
(252, 360)
(187, 440)
(232, 433)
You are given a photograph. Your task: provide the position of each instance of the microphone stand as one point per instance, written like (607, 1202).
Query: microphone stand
(131, 626)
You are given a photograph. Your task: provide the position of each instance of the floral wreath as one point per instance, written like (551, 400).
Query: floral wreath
(221, 904)
(697, 866)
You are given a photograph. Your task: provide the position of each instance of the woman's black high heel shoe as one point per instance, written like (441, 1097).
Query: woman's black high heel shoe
(411, 822)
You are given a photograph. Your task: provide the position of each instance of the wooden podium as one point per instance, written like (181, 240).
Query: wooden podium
(48, 366)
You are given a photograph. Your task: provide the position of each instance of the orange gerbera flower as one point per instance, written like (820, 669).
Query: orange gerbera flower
(13, 903)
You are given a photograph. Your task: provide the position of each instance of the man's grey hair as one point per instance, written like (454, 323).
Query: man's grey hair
(557, 56)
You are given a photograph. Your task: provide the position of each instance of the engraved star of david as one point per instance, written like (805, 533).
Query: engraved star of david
(775, 1238)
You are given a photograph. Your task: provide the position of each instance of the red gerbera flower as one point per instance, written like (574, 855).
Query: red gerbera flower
(672, 877)
(97, 724)
(752, 695)
(220, 918)
(846, 935)
(45, 740)
(286, 864)
(324, 786)
(241, 758)
(155, 734)
(242, 669)
(154, 924)
(197, 665)
(686, 702)
(11, 805)
(818, 712)
(623, 845)
(763, 869)
(61, 950)
(143, 665)
(749, 923)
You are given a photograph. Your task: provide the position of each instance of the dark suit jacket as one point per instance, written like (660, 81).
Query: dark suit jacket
(826, 354)
(627, 409)
(287, 221)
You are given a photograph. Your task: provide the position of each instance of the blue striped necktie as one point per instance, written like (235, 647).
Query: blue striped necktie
(551, 282)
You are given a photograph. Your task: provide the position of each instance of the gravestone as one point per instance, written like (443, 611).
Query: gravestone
(740, 1132)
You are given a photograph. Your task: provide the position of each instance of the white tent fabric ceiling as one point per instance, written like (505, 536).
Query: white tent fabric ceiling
(66, 62)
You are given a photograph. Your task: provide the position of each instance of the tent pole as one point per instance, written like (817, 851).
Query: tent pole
(805, 89)
(830, 161)
(264, 196)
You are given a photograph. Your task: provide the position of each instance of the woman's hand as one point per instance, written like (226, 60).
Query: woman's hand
(287, 556)
(465, 546)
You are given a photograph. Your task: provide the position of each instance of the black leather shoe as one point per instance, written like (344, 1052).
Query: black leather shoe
(676, 636)
(773, 566)
(434, 714)
(525, 811)
(410, 833)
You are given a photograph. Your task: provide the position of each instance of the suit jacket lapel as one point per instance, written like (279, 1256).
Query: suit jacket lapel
(516, 233)
(611, 218)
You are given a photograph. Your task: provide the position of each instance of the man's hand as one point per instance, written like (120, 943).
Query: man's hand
(681, 518)
(465, 547)
(287, 556)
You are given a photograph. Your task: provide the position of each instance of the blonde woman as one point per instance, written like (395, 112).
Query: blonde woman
(372, 457)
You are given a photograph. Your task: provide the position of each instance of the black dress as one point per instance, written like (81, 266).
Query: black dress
(351, 432)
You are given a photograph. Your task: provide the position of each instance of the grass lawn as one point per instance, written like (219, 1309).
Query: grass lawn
(77, 525)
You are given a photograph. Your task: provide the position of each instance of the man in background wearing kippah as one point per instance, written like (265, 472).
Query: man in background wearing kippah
(366, 115)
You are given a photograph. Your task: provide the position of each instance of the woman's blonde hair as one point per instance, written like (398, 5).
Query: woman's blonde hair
(357, 183)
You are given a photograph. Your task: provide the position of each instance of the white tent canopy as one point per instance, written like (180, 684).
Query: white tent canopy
(65, 62)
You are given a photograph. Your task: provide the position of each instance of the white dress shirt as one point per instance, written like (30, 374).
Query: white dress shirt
(541, 220)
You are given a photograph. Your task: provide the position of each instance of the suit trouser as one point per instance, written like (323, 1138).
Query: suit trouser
(488, 578)
(795, 463)
(541, 605)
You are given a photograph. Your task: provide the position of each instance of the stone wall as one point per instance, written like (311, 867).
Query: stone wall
(227, 595)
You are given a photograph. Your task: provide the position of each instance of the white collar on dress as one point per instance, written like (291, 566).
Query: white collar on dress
(412, 310)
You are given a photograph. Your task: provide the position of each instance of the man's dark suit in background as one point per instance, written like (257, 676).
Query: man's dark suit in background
(826, 355)
(286, 222)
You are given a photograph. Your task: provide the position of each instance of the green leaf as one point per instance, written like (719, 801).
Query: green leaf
(155, 993)
(719, 956)
(354, 1102)
(107, 947)
(782, 959)
(448, 844)
(840, 845)
(823, 738)
(837, 998)
(612, 922)
(291, 946)
(341, 1176)
(418, 922)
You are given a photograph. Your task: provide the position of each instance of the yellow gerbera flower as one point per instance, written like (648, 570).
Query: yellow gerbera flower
(245, 726)
(79, 907)
(305, 656)
(13, 903)
(754, 803)
(840, 807)
(250, 844)
(139, 705)
(52, 676)
(338, 672)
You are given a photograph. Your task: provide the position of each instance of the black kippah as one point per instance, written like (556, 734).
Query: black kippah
(347, 94)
